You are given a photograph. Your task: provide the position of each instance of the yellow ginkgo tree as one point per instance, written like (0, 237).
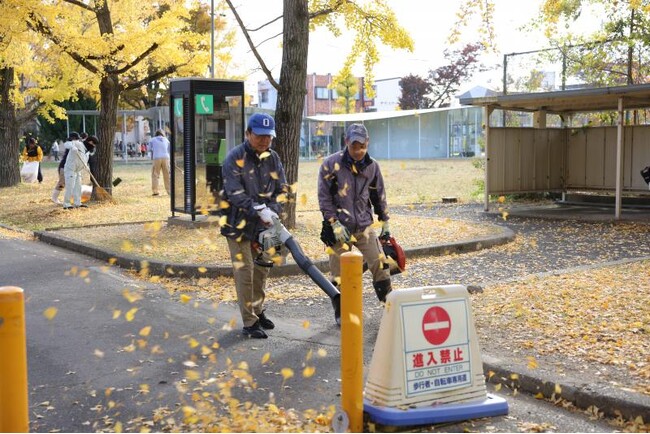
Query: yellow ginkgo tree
(371, 22)
(347, 87)
(32, 80)
(118, 46)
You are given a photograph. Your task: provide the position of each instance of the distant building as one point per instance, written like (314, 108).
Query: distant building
(404, 134)
(387, 95)
(320, 99)
(267, 95)
(477, 92)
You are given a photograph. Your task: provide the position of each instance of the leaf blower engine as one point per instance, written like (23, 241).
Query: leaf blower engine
(269, 244)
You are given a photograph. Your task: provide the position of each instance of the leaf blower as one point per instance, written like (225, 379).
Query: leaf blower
(270, 242)
(396, 259)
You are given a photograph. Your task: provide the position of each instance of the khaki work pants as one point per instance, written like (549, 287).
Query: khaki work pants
(160, 165)
(369, 246)
(250, 280)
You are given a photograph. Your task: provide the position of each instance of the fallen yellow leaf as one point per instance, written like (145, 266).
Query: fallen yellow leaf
(50, 312)
(130, 314)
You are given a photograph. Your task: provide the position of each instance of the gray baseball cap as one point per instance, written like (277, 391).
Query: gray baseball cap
(357, 133)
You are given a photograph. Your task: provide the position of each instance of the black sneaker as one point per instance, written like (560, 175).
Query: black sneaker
(255, 331)
(336, 304)
(266, 323)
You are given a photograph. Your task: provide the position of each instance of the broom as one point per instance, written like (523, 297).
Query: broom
(100, 191)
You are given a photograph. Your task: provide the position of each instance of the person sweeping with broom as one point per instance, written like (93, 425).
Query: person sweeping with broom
(76, 162)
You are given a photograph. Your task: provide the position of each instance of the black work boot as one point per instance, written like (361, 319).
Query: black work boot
(255, 331)
(336, 304)
(382, 289)
(266, 323)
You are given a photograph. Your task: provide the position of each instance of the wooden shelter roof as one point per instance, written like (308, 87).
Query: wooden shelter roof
(569, 101)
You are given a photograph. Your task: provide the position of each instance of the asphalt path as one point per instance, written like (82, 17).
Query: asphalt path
(89, 367)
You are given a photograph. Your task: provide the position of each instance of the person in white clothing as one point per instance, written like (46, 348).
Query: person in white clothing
(55, 150)
(76, 162)
(159, 147)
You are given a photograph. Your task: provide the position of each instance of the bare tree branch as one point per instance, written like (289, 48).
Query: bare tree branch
(264, 25)
(109, 55)
(80, 4)
(329, 10)
(269, 38)
(138, 59)
(152, 77)
(266, 70)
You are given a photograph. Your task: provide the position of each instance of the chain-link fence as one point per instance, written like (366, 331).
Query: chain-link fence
(585, 65)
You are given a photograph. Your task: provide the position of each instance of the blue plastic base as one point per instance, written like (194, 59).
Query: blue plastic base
(491, 406)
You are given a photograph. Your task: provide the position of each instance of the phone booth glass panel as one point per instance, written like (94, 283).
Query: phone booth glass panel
(207, 121)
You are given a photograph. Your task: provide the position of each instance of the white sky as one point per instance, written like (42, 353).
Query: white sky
(428, 21)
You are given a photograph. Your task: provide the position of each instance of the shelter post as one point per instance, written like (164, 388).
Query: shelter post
(487, 111)
(619, 160)
(539, 119)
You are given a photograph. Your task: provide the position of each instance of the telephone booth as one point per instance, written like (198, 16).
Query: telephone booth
(207, 120)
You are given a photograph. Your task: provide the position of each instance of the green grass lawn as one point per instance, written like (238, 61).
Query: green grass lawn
(28, 206)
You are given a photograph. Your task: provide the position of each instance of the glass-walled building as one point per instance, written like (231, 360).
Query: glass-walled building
(406, 134)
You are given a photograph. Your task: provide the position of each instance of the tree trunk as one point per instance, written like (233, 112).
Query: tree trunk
(291, 95)
(9, 146)
(109, 91)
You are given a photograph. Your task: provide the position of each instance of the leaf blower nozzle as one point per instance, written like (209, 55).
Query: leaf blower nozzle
(278, 235)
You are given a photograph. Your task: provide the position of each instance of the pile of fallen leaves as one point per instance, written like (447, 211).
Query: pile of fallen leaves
(180, 244)
(597, 316)
(8, 233)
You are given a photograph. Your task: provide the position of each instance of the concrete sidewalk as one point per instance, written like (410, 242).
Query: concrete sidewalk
(100, 362)
(582, 390)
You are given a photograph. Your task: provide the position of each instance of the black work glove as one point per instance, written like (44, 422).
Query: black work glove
(327, 234)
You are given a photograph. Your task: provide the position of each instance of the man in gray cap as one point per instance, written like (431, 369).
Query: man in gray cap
(350, 187)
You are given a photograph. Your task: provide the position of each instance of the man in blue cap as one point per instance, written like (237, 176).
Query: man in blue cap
(253, 178)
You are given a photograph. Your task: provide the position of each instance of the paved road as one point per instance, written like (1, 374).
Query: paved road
(88, 370)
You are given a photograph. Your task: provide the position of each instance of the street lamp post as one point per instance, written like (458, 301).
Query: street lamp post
(211, 38)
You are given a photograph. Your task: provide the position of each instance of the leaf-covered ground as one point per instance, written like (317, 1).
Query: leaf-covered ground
(593, 320)
(28, 206)
(596, 320)
(180, 244)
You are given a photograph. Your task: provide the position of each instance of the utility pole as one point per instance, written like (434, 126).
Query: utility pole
(211, 38)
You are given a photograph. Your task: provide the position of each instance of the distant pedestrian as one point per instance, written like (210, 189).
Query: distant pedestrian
(92, 159)
(76, 162)
(33, 153)
(159, 146)
(55, 150)
(60, 184)
(143, 149)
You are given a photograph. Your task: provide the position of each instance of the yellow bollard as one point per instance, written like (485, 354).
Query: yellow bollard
(14, 413)
(352, 338)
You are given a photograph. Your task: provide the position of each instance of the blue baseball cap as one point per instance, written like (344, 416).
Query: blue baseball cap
(262, 124)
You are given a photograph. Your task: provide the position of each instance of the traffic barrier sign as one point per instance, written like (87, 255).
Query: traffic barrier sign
(426, 367)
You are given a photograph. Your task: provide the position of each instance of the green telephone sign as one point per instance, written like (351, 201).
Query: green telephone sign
(178, 107)
(204, 104)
